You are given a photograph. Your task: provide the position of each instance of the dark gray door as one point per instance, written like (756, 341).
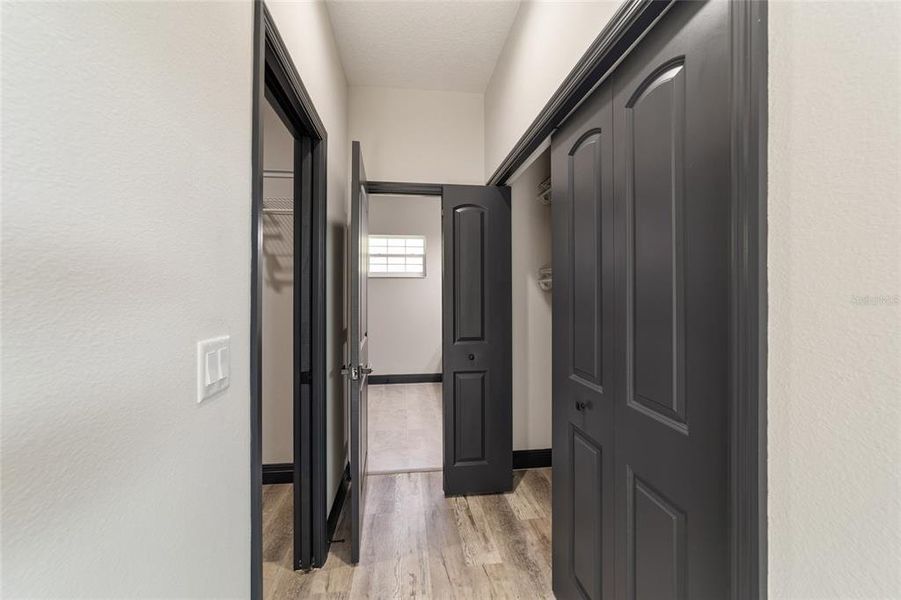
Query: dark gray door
(641, 486)
(583, 351)
(477, 316)
(672, 176)
(358, 368)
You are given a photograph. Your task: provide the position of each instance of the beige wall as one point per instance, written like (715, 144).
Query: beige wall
(307, 32)
(531, 246)
(126, 239)
(419, 135)
(405, 313)
(535, 60)
(834, 356)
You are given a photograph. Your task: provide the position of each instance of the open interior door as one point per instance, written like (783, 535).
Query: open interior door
(358, 368)
(477, 353)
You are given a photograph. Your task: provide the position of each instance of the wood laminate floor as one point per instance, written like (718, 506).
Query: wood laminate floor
(419, 544)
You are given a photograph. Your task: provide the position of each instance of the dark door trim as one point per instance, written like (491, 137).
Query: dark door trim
(276, 77)
(748, 401)
(402, 188)
(749, 299)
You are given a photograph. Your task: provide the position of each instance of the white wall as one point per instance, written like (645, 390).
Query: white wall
(125, 239)
(531, 246)
(415, 136)
(546, 41)
(419, 135)
(278, 297)
(405, 313)
(307, 32)
(834, 357)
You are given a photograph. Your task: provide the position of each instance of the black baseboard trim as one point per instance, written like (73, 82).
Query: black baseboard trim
(338, 504)
(411, 378)
(532, 459)
(278, 473)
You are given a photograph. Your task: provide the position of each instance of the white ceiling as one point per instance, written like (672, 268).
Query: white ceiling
(421, 44)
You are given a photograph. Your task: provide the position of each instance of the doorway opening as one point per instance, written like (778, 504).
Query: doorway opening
(404, 254)
(287, 358)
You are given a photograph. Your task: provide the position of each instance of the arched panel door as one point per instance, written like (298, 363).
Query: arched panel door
(583, 351)
(672, 186)
(477, 353)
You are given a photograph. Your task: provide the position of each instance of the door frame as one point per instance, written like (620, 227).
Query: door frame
(748, 294)
(275, 75)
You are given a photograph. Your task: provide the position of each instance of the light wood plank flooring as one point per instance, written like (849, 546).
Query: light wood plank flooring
(404, 428)
(419, 544)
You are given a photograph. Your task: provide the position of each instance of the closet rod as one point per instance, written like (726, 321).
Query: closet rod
(279, 173)
(278, 211)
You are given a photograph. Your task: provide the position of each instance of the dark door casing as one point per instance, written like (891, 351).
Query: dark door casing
(665, 398)
(358, 368)
(477, 353)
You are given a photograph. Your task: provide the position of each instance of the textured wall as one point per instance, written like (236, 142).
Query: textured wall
(546, 41)
(125, 240)
(418, 135)
(834, 313)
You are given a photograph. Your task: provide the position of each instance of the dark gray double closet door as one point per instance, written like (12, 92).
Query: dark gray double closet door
(641, 209)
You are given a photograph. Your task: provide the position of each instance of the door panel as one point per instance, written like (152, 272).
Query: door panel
(672, 182)
(583, 304)
(655, 130)
(656, 541)
(469, 417)
(587, 514)
(477, 315)
(358, 368)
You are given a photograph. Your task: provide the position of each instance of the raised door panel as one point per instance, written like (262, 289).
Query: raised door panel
(587, 515)
(469, 416)
(656, 241)
(469, 273)
(656, 542)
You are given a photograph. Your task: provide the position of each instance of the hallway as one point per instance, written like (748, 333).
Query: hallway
(417, 543)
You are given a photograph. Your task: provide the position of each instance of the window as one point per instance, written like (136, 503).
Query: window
(396, 256)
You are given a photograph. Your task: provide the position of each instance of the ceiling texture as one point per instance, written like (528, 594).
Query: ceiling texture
(421, 44)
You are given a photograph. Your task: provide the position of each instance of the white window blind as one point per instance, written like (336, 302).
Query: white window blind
(396, 256)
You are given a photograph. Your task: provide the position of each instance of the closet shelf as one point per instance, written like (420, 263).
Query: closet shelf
(545, 278)
(544, 192)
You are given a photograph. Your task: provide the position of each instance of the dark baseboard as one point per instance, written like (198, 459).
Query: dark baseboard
(338, 504)
(412, 378)
(278, 473)
(532, 459)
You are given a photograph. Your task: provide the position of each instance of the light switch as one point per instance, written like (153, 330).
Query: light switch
(212, 367)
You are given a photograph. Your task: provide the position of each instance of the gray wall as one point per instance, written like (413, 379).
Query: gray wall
(405, 313)
(278, 297)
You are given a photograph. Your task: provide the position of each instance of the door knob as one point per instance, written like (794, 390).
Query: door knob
(472, 357)
(581, 405)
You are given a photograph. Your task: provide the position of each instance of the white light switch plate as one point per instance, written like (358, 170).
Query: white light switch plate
(212, 367)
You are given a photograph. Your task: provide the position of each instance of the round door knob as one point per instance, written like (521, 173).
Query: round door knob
(581, 406)
(472, 357)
